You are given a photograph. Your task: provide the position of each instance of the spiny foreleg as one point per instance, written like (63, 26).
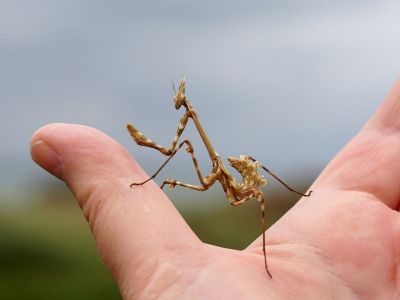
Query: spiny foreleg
(142, 140)
(206, 182)
(189, 149)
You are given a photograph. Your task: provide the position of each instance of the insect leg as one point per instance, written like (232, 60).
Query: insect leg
(142, 140)
(281, 181)
(262, 207)
(189, 149)
(172, 183)
(206, 182)
(260, 199)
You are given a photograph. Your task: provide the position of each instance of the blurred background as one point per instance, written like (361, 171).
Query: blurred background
(288, 82)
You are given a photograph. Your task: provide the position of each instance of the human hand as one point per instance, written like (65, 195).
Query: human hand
(340, 243)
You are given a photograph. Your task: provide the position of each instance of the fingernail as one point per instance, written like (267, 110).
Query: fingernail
(47, 158)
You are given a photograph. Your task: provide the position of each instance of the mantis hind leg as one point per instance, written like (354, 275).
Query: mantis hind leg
(260, 199)
(263, 228)
(281, 181)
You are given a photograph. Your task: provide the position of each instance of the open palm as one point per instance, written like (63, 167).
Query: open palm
(340, 243)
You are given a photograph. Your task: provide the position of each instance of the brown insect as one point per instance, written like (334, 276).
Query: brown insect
(247, 166)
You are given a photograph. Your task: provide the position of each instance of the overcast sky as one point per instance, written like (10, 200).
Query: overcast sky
(289, 82)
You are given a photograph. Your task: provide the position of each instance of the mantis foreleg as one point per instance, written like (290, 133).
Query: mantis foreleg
(204, 181)
(142, 140)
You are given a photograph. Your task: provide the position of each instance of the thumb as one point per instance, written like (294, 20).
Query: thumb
(135, 229)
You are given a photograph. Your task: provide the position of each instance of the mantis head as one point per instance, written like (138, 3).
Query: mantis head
(180, 97)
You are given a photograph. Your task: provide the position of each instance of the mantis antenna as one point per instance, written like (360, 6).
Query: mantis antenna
(173, 86)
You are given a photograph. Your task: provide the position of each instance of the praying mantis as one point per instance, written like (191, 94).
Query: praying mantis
(236, 192)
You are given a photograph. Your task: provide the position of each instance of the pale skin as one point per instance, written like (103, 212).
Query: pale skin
(341, 243)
